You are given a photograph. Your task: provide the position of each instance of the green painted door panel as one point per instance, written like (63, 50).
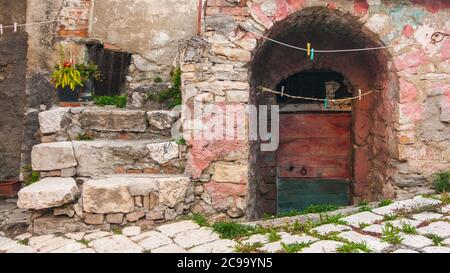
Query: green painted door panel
(298, 194)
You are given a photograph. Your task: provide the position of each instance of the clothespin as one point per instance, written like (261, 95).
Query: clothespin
(1, 29)
(15, 27)
(359, 94)
(312, 54)
(326, 103)
(308, 46)
(282, 91)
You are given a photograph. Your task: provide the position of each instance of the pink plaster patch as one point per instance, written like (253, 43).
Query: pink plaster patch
(261, 16)
(445, 49)
(432, 6)
(283, 9)
(222, 193)
(296, 4)
(408, 92)
(412, 111)
(408, 31)
(409, 60)
(361, 7)
(332, 5)
(204, 152)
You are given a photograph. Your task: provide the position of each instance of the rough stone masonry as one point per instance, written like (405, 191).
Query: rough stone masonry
(401, 133)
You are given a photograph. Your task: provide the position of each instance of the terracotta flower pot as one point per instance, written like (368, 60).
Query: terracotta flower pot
(10, 188)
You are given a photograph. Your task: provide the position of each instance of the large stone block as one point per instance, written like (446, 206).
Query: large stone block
(110, 195)
(48, 193)
(172, 190)
(163, 152)
(114, 120)
(54, 120)
(230, 173)
(162, 120)
(102, 157)
(53, 156)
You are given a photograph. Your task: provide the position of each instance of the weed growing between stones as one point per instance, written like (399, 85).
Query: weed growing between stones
(363, 203)
(331, 219)
(385, 202)
(23, 242)
(232, 230)
(83, 241)
(84, 137)
(350, 247)
(201, 220)
(365, 208)
(116, 230)
(308, 210)
(441, 182)
(390, 217)
(172, 96)
(409, 229)
(30, 176)
(248, 248)
(437, 240)
(363, 225)
(391, 235)
(294, 248)
(273, 236)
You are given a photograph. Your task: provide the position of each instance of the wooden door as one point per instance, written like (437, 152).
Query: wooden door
(314, 160)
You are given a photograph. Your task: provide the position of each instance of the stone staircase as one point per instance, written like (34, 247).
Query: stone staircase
(106, 166)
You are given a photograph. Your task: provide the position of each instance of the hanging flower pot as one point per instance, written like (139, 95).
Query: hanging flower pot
(9, 189)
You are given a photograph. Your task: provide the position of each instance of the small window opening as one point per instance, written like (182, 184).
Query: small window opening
(114, 67)
(315, 84)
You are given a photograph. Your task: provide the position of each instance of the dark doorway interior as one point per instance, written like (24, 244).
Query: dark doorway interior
(113, 66)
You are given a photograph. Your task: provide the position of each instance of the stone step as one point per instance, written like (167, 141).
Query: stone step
(62, 123)
(106, 157)
(113, 199)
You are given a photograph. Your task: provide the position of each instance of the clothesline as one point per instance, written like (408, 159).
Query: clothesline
(320, 50)
(359, 97)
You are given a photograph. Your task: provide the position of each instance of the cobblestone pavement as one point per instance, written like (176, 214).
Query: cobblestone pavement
(409, 226)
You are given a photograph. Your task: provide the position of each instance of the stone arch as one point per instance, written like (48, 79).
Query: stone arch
(374, 117)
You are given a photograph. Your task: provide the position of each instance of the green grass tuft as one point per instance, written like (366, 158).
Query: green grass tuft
(441, 182)
(351, 247)
(391, 235)
(294, 248)
(201, 220)
(232, 230)
(385, 202)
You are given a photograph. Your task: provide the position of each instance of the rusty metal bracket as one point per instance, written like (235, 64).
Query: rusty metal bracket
(438, 37)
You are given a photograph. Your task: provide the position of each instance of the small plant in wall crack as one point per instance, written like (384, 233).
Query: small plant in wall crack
(385, 202)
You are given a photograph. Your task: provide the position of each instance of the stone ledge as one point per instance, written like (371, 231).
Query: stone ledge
(106, 157)
(60, 124)
(48, 193)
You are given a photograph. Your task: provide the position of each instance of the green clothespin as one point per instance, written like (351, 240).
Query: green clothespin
(326, 103)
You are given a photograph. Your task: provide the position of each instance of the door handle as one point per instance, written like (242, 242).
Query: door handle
(304, 171)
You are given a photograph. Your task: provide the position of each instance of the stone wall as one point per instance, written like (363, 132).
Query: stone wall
(403, 129)
(149, 29)
(13, 50)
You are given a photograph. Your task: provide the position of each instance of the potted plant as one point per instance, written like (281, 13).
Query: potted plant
(9, 188)
(68, 81)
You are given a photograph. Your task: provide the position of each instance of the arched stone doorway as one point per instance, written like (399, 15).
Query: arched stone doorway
(372, 118)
